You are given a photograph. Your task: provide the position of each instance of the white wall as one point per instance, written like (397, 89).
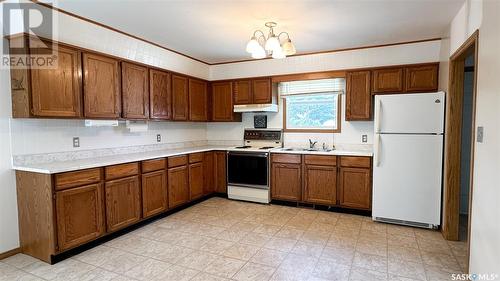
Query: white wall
(9, 234)
(392, 55)
(485, 236)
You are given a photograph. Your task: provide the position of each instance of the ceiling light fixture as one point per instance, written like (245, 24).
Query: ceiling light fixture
(260, 47)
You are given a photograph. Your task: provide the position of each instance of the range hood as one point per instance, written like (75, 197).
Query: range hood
(268, 107)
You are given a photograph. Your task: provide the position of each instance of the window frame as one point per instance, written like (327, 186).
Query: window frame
(330, 131)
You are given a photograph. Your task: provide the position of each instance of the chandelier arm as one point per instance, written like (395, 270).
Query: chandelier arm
(258, 31)
(284, 32)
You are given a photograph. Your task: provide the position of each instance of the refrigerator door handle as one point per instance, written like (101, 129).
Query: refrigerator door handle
(377, 151)
(378, 110)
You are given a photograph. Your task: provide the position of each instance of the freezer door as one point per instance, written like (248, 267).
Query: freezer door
(410, 113)
(407, 178)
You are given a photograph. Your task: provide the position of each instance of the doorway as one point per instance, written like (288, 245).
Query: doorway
(459, 143)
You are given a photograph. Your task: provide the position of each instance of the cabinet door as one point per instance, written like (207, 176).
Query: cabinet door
(198, 100)
(58, 92)
(180, 98)
(261, 89)
(358, 97)
(195, 180)
(320, 184)
(355, 188)
(160, 95)
(286, 181)
(79, 215)
(243, 92)
(388, 80)
(154, 193)
(101, 86)
(208, 172)
(178, 186)
(220, 172)
(222, 101)
(135, 91)
(123, 205)
(422, 78)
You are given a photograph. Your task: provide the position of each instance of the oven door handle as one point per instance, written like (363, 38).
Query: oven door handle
(251, 154)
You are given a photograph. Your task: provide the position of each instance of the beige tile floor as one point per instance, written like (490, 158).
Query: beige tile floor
(220, 239)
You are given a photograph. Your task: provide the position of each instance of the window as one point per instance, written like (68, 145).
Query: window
(312, 106)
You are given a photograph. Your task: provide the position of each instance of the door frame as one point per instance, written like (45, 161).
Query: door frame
(453, 130)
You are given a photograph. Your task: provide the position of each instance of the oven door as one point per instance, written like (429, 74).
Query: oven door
(248, 169)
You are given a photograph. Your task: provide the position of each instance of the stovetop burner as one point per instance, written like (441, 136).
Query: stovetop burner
(244, 146)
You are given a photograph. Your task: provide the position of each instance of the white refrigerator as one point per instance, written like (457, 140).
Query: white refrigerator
(408, 159)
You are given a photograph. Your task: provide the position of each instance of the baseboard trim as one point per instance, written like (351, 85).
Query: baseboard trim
(10, 253)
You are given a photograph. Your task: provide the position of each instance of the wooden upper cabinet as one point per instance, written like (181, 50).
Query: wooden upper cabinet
(154, 193)
(261, 89)
(135, 91)
(79, 215)
(243, 92)
(57, 92)
(422, 78)
(123, 204)
(101, 86)
(320, 184)
(358, 96)
(222, 101)
(388, 80)
(160, 95)
(178, 186)
(198, 100)
(180, 98)
(286, 182)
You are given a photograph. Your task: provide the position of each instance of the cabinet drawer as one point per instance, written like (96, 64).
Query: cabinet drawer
(357, 162)
(195, 157)
(153, 165)
(286, 158)
(320, 160)
(77, 178)
(177, 161)
(122, 170)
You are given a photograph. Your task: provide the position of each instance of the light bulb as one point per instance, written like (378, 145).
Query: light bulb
(252, 45)
(278, 54)
(289, 48)
(259, 53)
(272, 43)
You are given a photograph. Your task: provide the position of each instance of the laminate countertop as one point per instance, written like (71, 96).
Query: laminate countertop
(54, 167)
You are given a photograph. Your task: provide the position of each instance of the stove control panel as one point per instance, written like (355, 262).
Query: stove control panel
(268, 135)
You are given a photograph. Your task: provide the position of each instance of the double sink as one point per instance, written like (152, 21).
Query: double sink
(306, 149)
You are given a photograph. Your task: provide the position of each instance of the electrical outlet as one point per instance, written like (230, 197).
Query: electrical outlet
(364, 138)
(76, 142)
(158, 138)
(480, 134)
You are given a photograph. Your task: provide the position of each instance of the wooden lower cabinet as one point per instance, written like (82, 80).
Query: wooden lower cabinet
(220, 172)
(123, 204)
(320, 184)
(286, 183)
(195, 180)
(154, 193)
(79, 215)
(208, 172)
(355, 188)
(178, 186)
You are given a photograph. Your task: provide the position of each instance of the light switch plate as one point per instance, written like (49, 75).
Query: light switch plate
(480, 134)
(76, 142)
(364, 138)
(158, 138)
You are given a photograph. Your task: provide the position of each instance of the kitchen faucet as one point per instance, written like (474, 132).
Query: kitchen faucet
(312, 144)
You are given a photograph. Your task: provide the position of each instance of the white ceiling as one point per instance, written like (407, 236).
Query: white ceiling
(217, 30)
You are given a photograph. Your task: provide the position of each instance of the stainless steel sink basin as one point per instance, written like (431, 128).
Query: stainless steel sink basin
(306, 149)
